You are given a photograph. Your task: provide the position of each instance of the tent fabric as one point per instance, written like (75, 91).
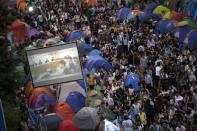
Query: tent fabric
(50, 122)
(191, 39)
(95, 52)
(150, 7)
(75, 35)
(97, 62)
(132, 80)
(86, 118)
(19, 31)
(43, 99)
(163, 11)
(84, 49)
(178, 15)
(66, 88)
(32, 32)
(181, 33)
(76, 100)
(68, 125)
(64, 110)
(123, 13)
(38, 91)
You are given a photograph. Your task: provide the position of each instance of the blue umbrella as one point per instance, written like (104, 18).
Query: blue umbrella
(147, 16)
(97, 62)
(73, 36)
(123, 13)
(132, 80)
(162, 26)
(95, 52)
(191, 39)
(181, 33)
(76, 100)
(84, 49)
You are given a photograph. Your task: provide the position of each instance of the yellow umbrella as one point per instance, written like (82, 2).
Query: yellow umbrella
(182, 23)
(163, 11)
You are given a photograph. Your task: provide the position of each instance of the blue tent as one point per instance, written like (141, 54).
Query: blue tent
(181, 33)
(150, 7)
(84, 49)
(191, 39)
(73, 36)
(97, 62)
(123, 13)
(95, 52)
(76, 100)
(132, 80)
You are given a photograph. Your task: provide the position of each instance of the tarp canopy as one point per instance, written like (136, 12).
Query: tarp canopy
(97, 62)
(95, 52)
(68, 125)
(64, 110)
(32, 32)
(123, 13)
(66, 88)
(181, 33)
(84, 49)
(75, 35)
(76, 100)
(178, 15)
(38, 91)
(132, 80)
(191, 39)
(42, 100)
(163, 11)
(50, 122)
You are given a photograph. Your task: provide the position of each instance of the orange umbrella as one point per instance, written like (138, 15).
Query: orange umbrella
(21, 5)
(65, 110)
(38, 91)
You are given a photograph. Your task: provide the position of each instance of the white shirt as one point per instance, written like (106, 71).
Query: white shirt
(158, 71)
(148, 79)
(127, 125)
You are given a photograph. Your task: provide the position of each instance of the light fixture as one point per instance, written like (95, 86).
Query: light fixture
(30, 9)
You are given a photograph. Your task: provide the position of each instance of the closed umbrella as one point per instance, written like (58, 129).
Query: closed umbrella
(87, 118)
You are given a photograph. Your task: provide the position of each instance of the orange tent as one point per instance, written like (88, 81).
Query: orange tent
(91, 2)
(65, 110)
(38, 91)
(19, 31)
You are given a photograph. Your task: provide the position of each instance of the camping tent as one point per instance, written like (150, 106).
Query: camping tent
(66, 88)
(76, 100)
(64, 110)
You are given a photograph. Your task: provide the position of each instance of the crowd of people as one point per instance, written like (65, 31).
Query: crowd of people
(167, 95)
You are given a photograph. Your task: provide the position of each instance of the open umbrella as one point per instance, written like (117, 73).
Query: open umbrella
(123, 13)
(84, 49)
(95, 52)
(64, 110)
(181, 33)
(191, 39)
(178, 15)
(132, 80)
(187, 22)
(163, 11)
(75, 35)
(87, 118)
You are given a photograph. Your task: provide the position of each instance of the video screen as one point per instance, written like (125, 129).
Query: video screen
(52, 65)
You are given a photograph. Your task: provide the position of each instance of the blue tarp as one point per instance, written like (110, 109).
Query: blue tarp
(76, 100)
(95, 52)
(132, 80)
(123, 13)
(73, 36)
(97, 62)
(84, 49)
